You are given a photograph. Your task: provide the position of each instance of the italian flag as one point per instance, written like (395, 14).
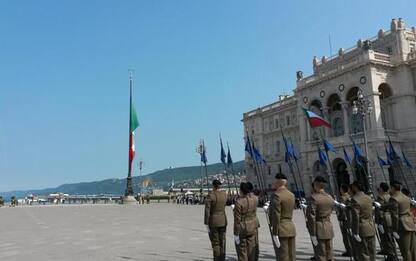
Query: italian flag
(315, 120)
(134, 123)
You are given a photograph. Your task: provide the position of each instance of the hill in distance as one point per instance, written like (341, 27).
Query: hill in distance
(160, 179)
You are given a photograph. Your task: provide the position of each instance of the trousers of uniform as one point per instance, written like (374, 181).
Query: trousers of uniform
(346, 237)
(257, 246)
(387, 245)
(217, 237)
(287, 249)
(365, 250)
(407, 245)
(324, 250)
(246, 250)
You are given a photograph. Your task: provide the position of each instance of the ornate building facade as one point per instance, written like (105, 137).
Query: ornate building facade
(383, 70)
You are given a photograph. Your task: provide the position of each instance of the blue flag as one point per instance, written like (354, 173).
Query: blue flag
(389, 159)
(346, 157)
(392, 154)
(288, 153)
(229, 159)
(381, 162)
(322, 157)
(329, 147)
(223, 156)
(357, 151)
(204, 156)
(406, 161)
(257, 156)
(295, 154)
(248, 148)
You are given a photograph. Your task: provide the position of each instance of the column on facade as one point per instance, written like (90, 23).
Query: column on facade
(345, 108)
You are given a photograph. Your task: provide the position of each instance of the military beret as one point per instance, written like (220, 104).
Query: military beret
(320, 179)
(395, 182)
(216, 182)
(280, 176)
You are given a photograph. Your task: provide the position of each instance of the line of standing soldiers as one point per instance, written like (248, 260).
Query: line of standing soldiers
(392, 211)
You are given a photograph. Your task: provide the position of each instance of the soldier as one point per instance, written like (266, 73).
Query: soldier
(319, 220)
(245, 224)
(280, 215)
(362, 224)
(383, 222)
(402, 222)
(251, 187)
(344, 220)
(216, 220)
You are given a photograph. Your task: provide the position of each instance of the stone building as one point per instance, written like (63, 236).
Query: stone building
(383, 70)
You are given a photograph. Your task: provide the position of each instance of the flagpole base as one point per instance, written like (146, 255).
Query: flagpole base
(129, 200)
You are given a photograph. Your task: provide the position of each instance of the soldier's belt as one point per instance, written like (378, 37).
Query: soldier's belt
(326, 218)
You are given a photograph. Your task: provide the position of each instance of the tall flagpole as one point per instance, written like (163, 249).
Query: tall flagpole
(129, 193)
(223, 158)
(232, 169)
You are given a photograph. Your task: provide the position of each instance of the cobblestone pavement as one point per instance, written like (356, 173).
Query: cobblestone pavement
(119, 232)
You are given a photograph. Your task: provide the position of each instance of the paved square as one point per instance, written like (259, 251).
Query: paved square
(119, 232)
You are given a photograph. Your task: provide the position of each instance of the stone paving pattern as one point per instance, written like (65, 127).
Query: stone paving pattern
(125, 232)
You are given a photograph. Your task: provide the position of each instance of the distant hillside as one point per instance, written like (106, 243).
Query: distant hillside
(160, 178)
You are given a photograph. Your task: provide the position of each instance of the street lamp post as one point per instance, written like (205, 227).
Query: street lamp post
(363, 106)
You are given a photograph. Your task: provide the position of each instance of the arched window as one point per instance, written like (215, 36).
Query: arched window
(356, 120)
(335, 115)
(386, 106)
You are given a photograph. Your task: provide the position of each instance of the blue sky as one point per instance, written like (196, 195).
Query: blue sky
(198, 66)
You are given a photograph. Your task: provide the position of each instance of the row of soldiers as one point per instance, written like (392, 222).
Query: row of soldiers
(355, 209)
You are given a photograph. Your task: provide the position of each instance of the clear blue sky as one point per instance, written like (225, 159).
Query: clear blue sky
(198, 66)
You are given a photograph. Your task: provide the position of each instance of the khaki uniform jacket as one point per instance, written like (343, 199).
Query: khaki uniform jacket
(215, 209)
(319, 215)
(382, 214)
(245, 216)
(402, 219)
(362, 215)
(281, 211)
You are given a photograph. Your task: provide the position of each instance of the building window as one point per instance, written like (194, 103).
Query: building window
(338, 127)
(389, 50)
(269, 168)
(277, 148)
(276, 123)
(287, 120)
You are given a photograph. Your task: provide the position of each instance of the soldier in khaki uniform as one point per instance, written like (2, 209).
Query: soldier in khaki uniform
(216, 220)
(280, 214)
(362, 224)
(251, 187)
(319, 220)
(344, 219)
(245, 224)
(402, 222)
(383, 222)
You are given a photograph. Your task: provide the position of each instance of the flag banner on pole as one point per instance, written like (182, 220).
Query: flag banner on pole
(229, 159)
(381, 162)
(204, 155)
(257, 155)
(346, 157)
(406, 161)
(248, 148)
(315, 120)
(389, 159)
(223, 155)
(134, 123)
(392, 152)
(358, 154)
(293, 151)
(322, 157)
(329, 147)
